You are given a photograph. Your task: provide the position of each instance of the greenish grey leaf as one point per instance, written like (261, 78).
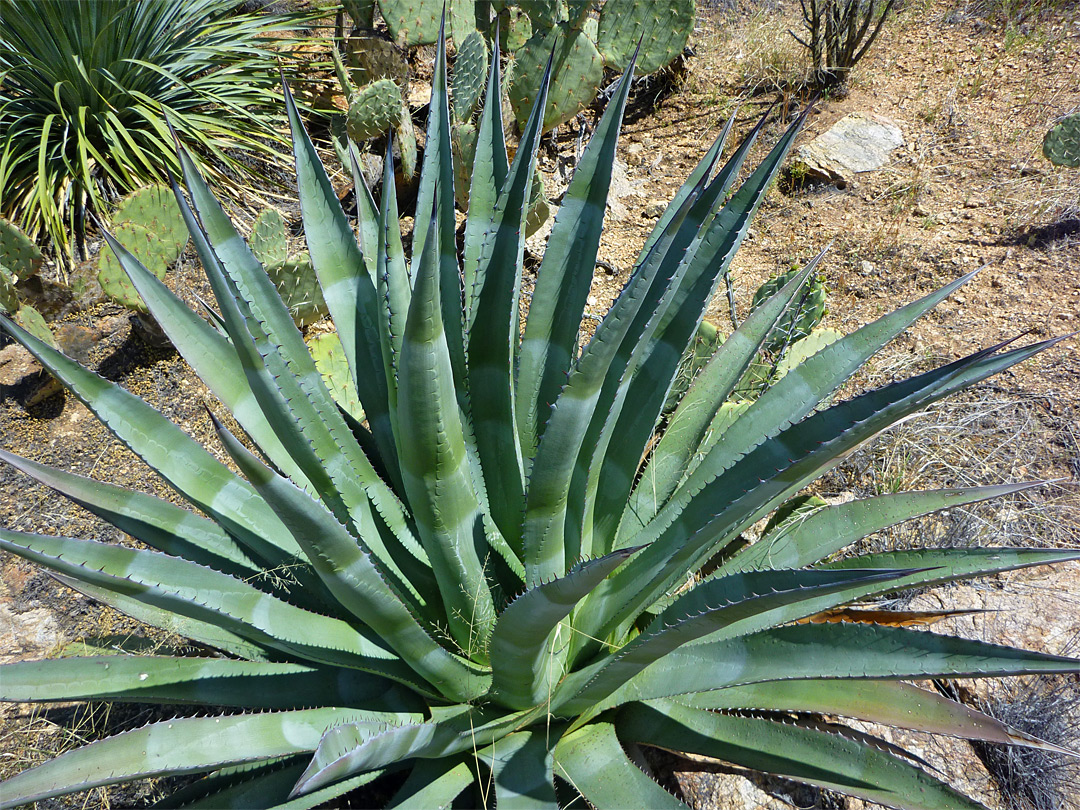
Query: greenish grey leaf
(521, 769)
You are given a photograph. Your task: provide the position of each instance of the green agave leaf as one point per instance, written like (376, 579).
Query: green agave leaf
(227, 787)
(526, 652)
(356, 747)
(435, 462)
(890, 703)
(204, 594)
(695, 413)
(719, 510)
(831, 528)
(813, 651)
(433, 784)
(367, 221)
(154, 521)
(493, 336)
(594, 763)
(208, 351)
(206, 633)
(816, 757)
(521, 769)
(545, 545)
(436, 194)
(349, 292)
(210, 681)
(722, 608)
(394, 286)
(175, 747)
(179, 459)
(644, 386)
(549, 343)
(489, 170)
(350, 574)
(809, 384)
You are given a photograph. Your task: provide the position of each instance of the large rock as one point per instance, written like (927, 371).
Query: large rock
(859, 142)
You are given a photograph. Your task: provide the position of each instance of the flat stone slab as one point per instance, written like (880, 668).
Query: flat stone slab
(859, 142)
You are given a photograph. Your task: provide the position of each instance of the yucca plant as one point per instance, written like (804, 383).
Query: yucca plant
(486, 586)
(85, 86)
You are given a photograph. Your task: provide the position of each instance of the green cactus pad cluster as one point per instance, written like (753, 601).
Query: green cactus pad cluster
(470, 76)
(333, 365)
(18, 253)
(663, 26)
(149, 225)
(370, 58)
(577, 71)
(1061, 146)
(34, 322)
(412, 22)
(9, 296)
(515, 29)
(374, 109)
(799, 321)
(269, 241)
(362, 12)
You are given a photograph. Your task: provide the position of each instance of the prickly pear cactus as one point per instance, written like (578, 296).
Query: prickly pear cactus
(706, 341)
(1061, 146)
(156, 256)
(799, 321)
(268, 241)
(370, 58)
(463, 147)
(470, 75)
(34, 322)
(514, 27)
(663, 26)
(361, 12)
(577, 11)
(548, 13)
(329, 356)
(464, 17)
(18, 253)
(577, 71)
(374, 109)
(298, 287)
(9, 296)
(412, 22)
(155, 209)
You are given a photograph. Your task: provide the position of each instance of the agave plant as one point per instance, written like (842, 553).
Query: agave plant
(487, 589)
(83, 89)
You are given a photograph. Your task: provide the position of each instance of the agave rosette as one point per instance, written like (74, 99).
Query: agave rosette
(506, 573)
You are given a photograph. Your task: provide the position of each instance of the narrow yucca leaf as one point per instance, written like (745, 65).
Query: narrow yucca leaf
(695, 412)
(526, 654)
(174, 747)
(814, 651)
(154, 521)
(521, 768)
(890, 703)
(818, 758)
(549, 343)
(378, 598)
(831, 528)
(179, 459)
(209, 681)
(434, 463)
(593, 761)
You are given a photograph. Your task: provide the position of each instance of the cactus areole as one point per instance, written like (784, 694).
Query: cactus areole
(495, 574)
